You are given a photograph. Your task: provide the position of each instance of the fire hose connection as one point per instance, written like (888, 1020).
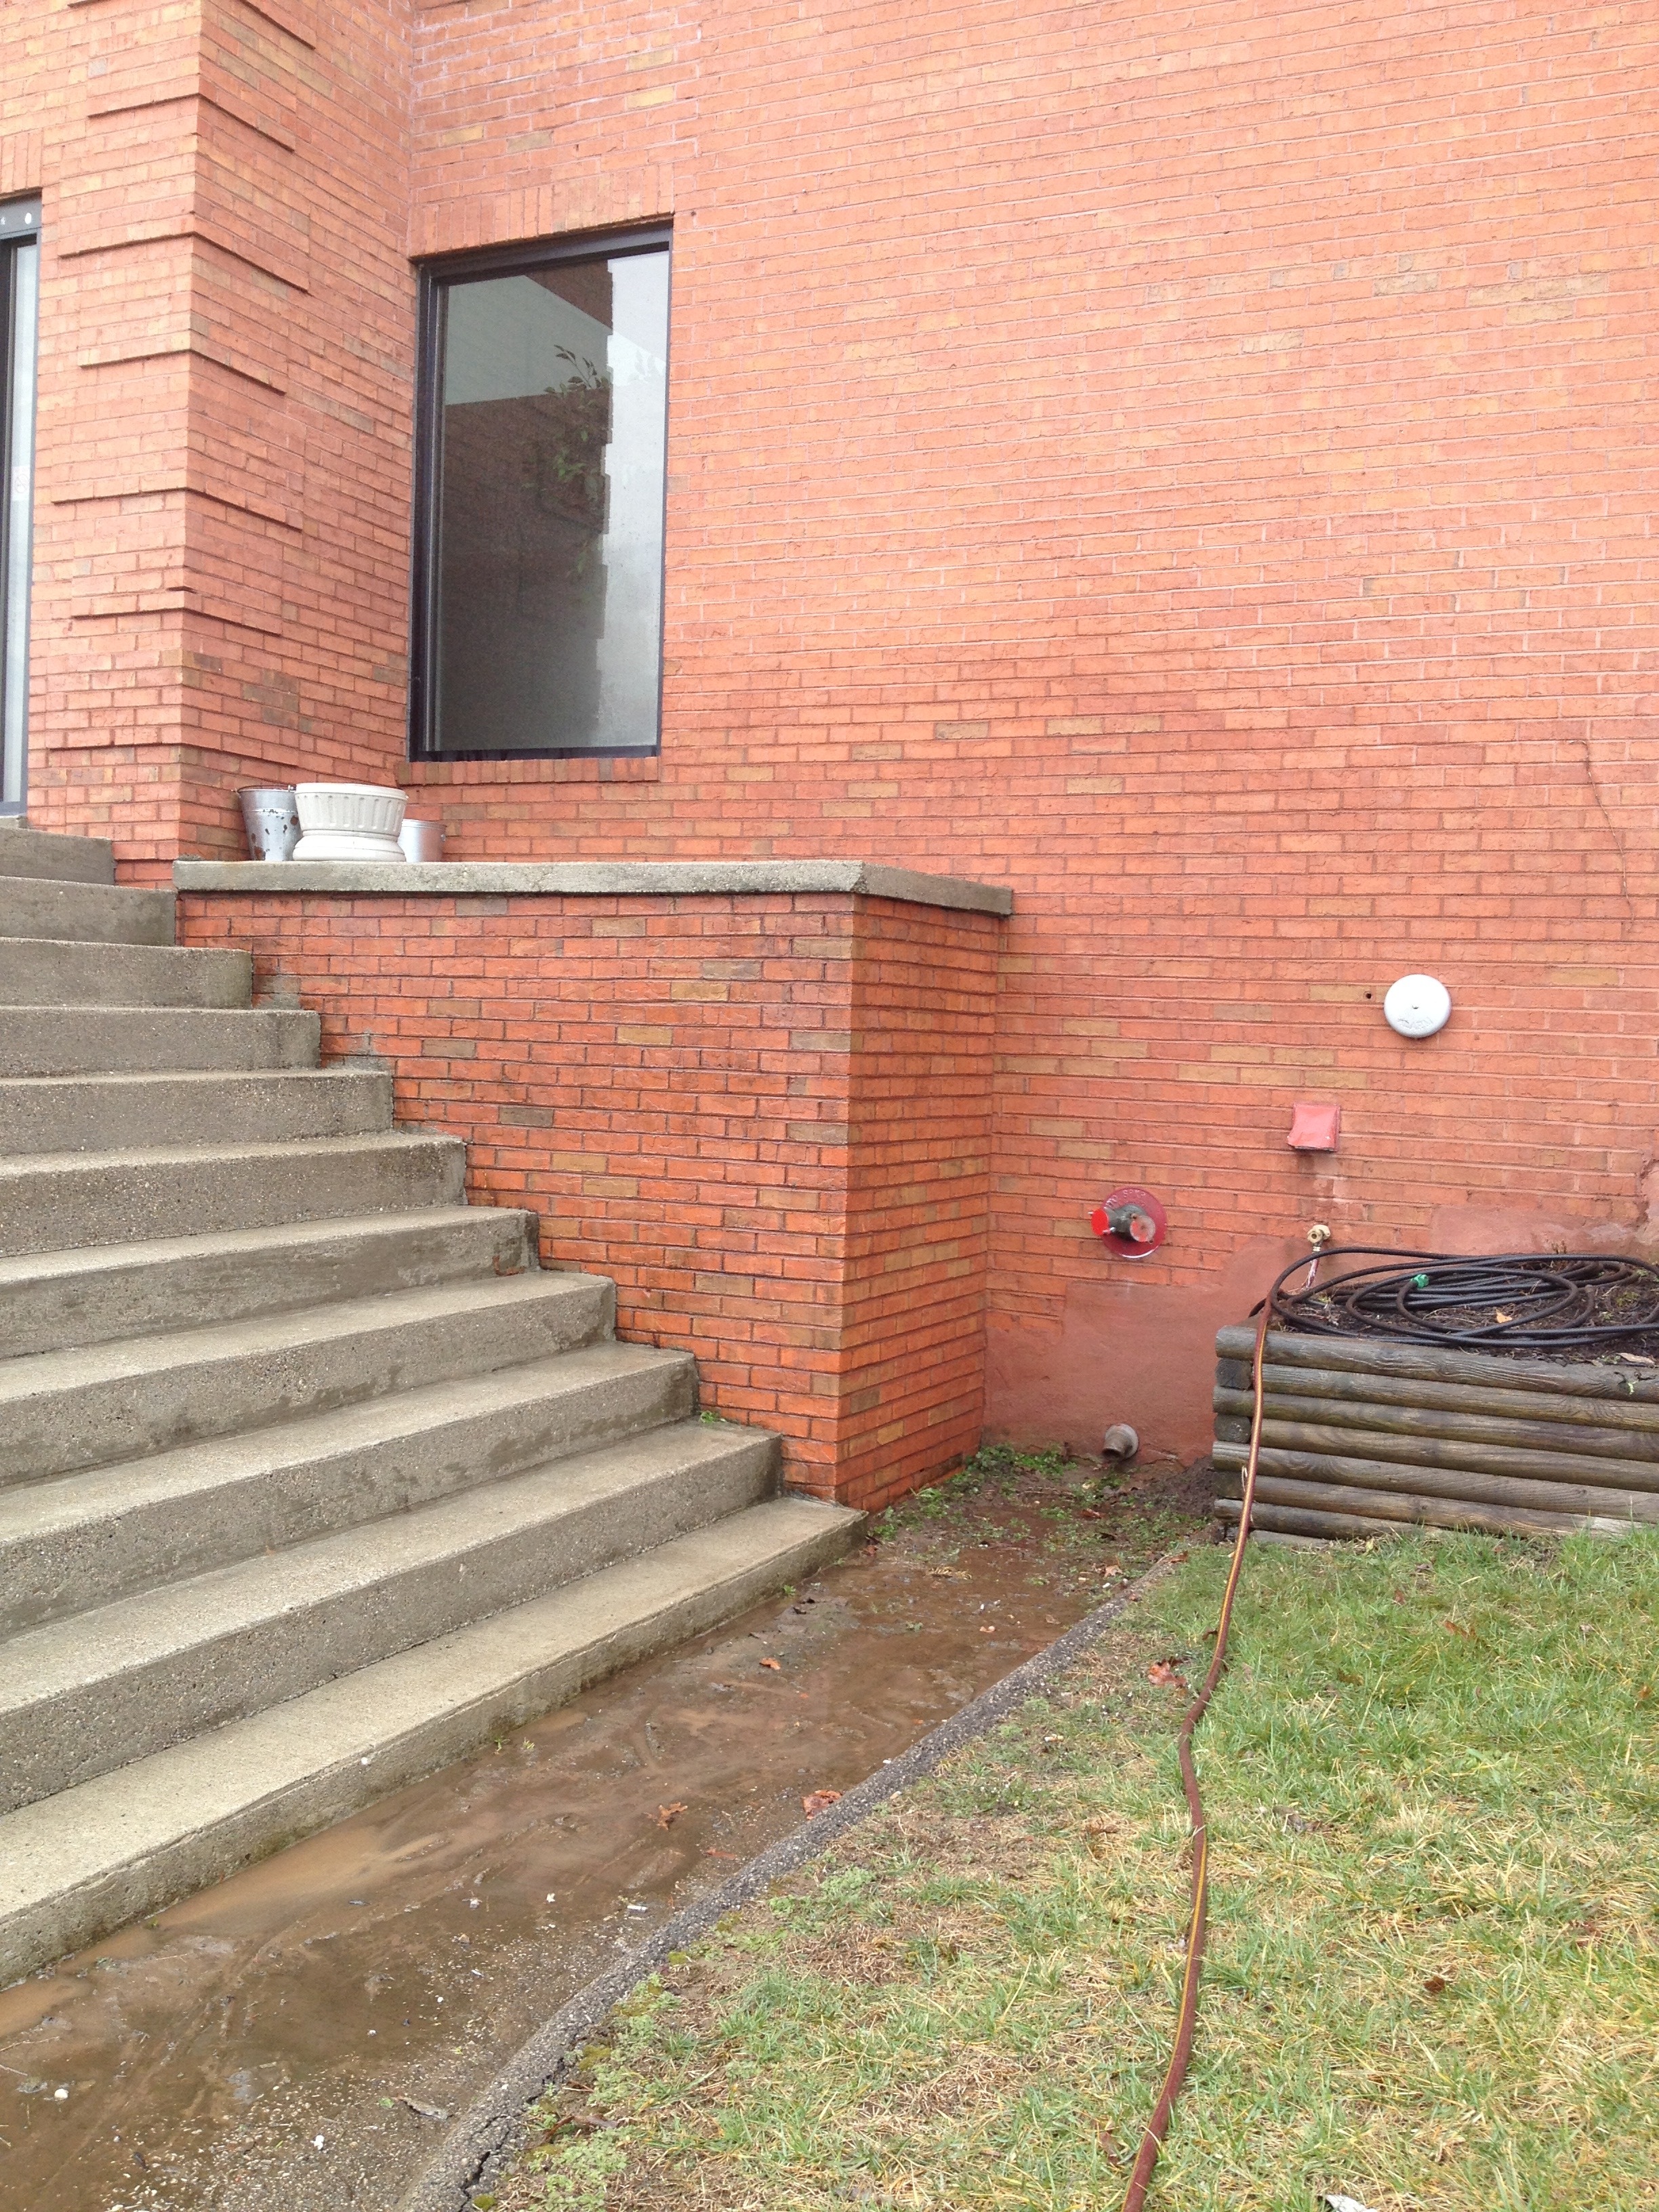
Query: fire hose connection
(1130, 1223)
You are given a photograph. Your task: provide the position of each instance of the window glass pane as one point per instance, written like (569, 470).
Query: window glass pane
(19, 278)
(549, 561)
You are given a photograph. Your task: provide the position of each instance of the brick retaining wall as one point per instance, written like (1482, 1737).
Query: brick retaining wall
(766, 1118)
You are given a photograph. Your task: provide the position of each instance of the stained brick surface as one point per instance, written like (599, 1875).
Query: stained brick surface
(1191, 463)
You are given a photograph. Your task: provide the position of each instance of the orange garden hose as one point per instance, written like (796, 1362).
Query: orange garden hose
(1157, 2127)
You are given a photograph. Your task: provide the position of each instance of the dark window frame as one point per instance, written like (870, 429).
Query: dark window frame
(434, 277)
(20, 233)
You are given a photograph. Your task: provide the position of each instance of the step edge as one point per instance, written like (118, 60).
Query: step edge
(338, 1576)
(78, 1009)
(408, 1138)
(156, 1870)
(153, 1078)
(83, 883)
(300, 1450)
(211, 1244)
(221, 953)
(99, 851)
(379, 1311)
(74, 1547)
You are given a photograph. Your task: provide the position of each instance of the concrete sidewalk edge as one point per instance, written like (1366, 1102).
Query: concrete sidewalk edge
(488, 2130)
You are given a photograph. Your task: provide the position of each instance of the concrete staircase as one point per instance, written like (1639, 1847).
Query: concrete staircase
(309, 1480)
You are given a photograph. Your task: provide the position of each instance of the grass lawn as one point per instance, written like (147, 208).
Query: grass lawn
(1433, 1979)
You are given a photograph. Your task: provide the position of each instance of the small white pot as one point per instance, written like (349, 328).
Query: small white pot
(349, 822)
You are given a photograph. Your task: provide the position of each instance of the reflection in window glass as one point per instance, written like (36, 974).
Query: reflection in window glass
(20, 257)
(547, 571)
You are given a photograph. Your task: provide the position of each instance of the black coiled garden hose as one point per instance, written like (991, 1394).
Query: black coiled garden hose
(1512, 1302)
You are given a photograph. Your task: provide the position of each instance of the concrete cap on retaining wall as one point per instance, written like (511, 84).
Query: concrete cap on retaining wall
(590, 879)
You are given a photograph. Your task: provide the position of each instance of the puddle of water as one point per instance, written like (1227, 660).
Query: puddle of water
(292, 2039)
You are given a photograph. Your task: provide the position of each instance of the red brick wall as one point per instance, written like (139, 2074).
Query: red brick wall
(766, 1118)
(1189, 464)
(223, 488)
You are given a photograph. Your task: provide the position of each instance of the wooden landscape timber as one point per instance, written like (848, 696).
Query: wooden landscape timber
(1358, 1436)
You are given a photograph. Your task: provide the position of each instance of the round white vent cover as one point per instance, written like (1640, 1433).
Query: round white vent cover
(1417, 1006)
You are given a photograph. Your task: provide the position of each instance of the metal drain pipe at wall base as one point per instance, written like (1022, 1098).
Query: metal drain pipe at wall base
(490, 2131)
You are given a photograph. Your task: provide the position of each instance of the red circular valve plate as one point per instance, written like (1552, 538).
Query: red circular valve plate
(1129, 1248)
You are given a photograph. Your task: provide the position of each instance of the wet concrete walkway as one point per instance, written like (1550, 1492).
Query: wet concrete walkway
(293, 2039)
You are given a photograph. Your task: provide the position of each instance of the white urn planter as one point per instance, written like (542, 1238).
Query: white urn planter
(350, 822)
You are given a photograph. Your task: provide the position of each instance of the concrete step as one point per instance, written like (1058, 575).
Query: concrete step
(137, 1113)
(51, 1300)
(39, 971)
(78, 1697)
(76, 1865)
(26, 852)
(82, 913)
(56, 1199)
(81, 1540)
(60, 1410)
(147, 1040)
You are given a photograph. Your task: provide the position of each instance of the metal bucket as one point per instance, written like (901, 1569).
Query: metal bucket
(421, 841)
(272, 820)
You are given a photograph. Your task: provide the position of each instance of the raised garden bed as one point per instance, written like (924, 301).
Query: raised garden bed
(1360, 1435)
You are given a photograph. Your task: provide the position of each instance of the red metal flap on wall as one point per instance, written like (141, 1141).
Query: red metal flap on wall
(1314, 1128)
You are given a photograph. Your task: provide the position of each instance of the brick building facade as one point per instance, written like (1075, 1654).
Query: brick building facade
(1187, 466)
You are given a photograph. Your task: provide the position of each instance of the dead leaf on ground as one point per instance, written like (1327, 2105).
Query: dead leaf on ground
(947, 1574)
(1164, 1670)
(569, 2123)
(816, 1800)
(1299, 1823)
(1458, 1629)
(1436, 1984)
(1097, 1833)
(776, 1665)
(667, 1814)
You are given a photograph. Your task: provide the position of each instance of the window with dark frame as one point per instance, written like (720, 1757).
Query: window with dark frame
(542, 416)
(19, 259)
